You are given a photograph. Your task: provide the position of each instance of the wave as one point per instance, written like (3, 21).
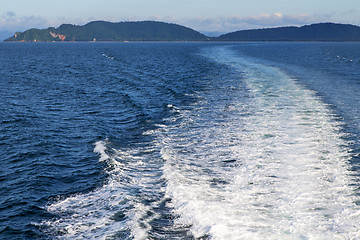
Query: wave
(114, 209)
(273, 167)
(256, 155)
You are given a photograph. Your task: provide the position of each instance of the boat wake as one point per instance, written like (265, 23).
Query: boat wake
(258, 156)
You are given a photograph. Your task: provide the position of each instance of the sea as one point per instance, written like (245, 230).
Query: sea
(154, 140)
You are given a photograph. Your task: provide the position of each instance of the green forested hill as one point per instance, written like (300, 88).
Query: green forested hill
(107, 31)
(160, 31)
(315, 32)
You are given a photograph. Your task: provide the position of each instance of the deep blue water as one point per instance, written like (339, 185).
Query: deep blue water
(152, 140)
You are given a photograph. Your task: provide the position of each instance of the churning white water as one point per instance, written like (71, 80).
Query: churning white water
(258, 156)
(272, 166)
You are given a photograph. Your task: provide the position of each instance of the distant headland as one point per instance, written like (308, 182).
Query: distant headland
(161, 31)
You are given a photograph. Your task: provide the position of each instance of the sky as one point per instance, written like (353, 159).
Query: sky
(201, 15)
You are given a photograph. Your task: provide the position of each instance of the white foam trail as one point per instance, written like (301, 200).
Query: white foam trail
(100, 149)
(113, 208)
(274, 167)
(269, 166)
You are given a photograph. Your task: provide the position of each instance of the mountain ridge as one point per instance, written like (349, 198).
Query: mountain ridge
(108, 31)
(314, 32)
(161, 31)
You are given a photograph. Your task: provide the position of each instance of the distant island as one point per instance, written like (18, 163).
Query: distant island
(327, 32)
(161, 31)
(111, 32)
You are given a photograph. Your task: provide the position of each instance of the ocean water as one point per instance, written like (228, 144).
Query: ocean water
(180, 141)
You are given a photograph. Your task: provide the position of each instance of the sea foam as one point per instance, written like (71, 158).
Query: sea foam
(274, 169)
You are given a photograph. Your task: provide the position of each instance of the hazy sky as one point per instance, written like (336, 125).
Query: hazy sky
(202, 15)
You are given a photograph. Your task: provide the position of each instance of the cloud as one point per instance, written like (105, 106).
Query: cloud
(10, 14)
(9, 21)
(237, 22)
